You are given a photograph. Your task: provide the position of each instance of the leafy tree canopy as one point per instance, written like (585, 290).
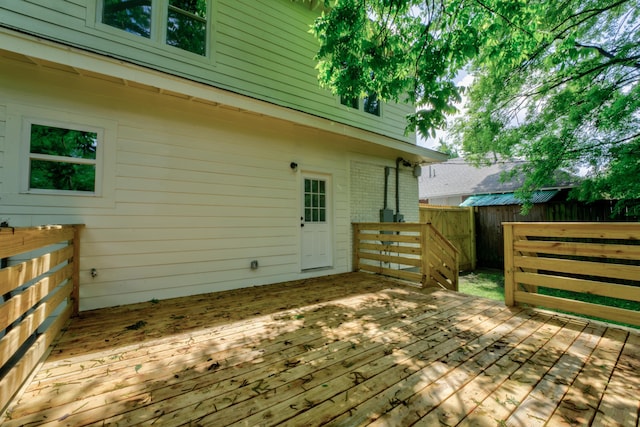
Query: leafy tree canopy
(555, 83)
(449, 149)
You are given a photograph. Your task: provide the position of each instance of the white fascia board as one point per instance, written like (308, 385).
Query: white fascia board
(78, 59)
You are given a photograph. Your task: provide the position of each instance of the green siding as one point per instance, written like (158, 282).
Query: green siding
(259, 48)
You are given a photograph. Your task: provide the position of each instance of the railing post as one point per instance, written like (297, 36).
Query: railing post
(456, 270)
(424, 254)
(509, 279)
(472, 244)
(75, 293)
(356, 247)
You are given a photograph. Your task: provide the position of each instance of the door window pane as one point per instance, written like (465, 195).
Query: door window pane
(315, 200)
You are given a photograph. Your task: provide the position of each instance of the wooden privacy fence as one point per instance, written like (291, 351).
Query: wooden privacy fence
(600, 259)
(489, 220)
(39, 295)
(458, 226)
(408, 251)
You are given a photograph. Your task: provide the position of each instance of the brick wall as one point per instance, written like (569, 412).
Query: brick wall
(367, 191)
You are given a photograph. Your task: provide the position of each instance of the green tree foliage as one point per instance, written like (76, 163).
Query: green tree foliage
(449, 149)
(555, 83)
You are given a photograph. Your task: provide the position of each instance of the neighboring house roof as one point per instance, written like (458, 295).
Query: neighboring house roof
(456, 177)
(503, 199)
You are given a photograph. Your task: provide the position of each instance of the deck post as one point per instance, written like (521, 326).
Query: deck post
(356, 247)
(75, 293)
(472, 227)
(509, 279)
(424, 254)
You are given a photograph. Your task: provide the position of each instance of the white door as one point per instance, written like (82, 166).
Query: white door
(315, 221)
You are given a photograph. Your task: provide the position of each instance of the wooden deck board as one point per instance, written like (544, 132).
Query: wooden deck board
(353, 349)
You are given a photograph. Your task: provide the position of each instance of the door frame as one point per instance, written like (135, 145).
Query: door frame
(330, 220)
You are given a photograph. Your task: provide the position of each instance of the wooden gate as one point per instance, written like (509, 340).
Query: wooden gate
(458, 226)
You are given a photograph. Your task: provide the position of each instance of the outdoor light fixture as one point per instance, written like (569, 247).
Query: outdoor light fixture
(293, 166)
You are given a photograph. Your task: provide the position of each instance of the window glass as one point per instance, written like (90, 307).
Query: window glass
(350, 102)
(315, 205)
(372, 104)
(133, 16)
(62, 159)
(187, 25)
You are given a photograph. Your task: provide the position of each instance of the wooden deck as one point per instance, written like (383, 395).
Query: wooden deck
(349, 350)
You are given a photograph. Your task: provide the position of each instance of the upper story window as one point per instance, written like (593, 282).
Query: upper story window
(371, 103)
(62, 159)
(133, 16)
(350, 102)
(179, 23)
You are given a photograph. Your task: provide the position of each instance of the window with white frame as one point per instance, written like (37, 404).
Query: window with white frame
(370, 104)
(63, 158)
(178, 23)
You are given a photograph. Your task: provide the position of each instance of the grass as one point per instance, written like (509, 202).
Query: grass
(483, 283)
(490, 284)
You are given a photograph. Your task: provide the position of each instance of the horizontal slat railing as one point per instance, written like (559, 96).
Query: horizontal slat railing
(39, 294)
(593, 259)
(409, 251)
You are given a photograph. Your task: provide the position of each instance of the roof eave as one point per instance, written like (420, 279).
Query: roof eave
(80, 61)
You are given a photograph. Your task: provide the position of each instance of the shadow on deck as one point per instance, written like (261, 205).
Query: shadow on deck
(352, 349)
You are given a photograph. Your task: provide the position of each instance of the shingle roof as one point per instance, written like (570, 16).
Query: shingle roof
(456, 177)
(503, 199)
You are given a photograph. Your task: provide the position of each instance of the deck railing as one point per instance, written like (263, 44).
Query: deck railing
(409, 251)
(39, 295)
(574, 260)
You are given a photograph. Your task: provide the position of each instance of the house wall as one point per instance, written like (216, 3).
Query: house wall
(367, 180)
(259, 48)
(191, 192)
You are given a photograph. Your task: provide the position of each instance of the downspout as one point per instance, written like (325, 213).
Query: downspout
(386, 185)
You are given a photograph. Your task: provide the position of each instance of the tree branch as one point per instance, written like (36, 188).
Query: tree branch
(504, 18)
(590, 12)
(605, 143)
(610, 55)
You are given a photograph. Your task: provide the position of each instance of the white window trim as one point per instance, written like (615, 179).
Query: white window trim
(157, 39)
(27, 156)
(360, 108)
